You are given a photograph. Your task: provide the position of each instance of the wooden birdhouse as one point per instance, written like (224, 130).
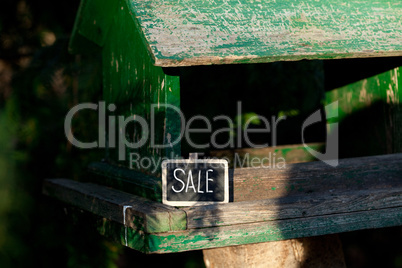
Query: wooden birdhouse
(193, 76)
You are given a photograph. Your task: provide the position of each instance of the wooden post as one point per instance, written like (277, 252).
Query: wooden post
(322, 251)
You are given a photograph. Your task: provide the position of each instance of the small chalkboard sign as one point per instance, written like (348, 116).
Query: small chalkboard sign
(188, 182)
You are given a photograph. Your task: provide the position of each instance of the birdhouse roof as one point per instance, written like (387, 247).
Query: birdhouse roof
(204, 32)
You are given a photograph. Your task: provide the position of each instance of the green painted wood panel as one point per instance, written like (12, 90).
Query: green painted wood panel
(92, 23)
(369, 115)
(133, 84)
(361, 94)
(203, 32)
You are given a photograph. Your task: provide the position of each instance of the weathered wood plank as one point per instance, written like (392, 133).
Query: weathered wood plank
(242, 234)
(115, 231)
(361, 173)
(372, 104)
(135, 89)
(273, 230)
(296, 153)
(154, 227)
(263, 183)
(360, 193)
(131, 211)
(126, 179)
(315, 177)
(292, 207)
(203, 32)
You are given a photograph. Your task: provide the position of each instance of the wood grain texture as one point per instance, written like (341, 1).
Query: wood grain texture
(131, 211)
(292, 207)
(372, 104)
(204, 32)
(248, 184)
(360, 173)
(203, 238)
(131, 83)
(296, 153)
(138, 89)
(372, 199)
(359, 95)
(318, 252)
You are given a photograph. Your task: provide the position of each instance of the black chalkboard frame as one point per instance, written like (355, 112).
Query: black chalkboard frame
(221, 162)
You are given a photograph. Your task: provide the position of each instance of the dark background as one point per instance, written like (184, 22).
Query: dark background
(39, 83)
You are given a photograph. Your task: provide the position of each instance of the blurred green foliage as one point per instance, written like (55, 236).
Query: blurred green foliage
(45, 83)
(33, 147)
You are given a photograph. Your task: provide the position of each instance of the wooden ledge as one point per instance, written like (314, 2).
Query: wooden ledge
(265, 183)
(123, 208)
(373, 199)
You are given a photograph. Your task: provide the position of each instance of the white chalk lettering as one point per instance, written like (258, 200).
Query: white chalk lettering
(182, 182)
